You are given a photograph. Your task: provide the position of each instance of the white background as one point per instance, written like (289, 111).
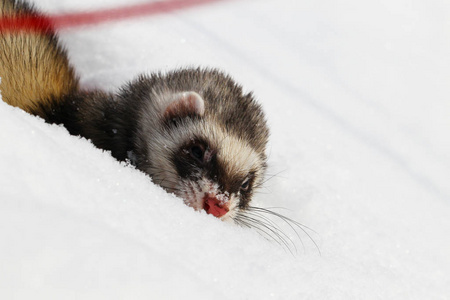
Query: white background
(357, 97)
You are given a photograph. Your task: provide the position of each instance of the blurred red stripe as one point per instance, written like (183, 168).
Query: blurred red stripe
(94, 17)
(30, 23)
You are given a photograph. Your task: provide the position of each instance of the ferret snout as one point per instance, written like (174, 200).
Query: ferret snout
(215, 206)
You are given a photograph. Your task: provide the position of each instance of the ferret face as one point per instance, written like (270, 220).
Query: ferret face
(191, 154)
(207, 167)
(201, 138)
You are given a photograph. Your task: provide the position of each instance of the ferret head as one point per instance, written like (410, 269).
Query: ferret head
(204, 140)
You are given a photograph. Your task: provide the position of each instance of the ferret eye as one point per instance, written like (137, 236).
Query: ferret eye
(245, 185)
(197, 152)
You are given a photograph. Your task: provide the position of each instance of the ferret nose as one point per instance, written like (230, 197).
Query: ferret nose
(215, 207)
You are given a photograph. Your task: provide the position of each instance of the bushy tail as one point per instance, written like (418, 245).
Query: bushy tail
(34, 67)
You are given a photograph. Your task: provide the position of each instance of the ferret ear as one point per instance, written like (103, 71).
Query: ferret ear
(185, 104)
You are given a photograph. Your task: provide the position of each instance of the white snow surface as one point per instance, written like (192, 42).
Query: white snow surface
(357, 96)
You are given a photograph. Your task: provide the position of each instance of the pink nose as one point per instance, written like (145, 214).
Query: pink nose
(215, 207)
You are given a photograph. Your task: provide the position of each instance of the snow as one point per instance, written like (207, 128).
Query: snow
(356, 94)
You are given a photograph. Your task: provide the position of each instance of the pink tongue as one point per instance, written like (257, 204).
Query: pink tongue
(212, 206)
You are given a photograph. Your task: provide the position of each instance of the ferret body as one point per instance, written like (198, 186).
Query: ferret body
(193, 131)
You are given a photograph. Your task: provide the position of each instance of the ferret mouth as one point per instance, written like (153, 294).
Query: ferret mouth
(215, 207)
(207, 198)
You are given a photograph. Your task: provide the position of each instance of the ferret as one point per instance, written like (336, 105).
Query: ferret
(193, 131)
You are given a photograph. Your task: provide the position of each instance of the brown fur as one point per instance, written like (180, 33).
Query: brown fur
(34, 68)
